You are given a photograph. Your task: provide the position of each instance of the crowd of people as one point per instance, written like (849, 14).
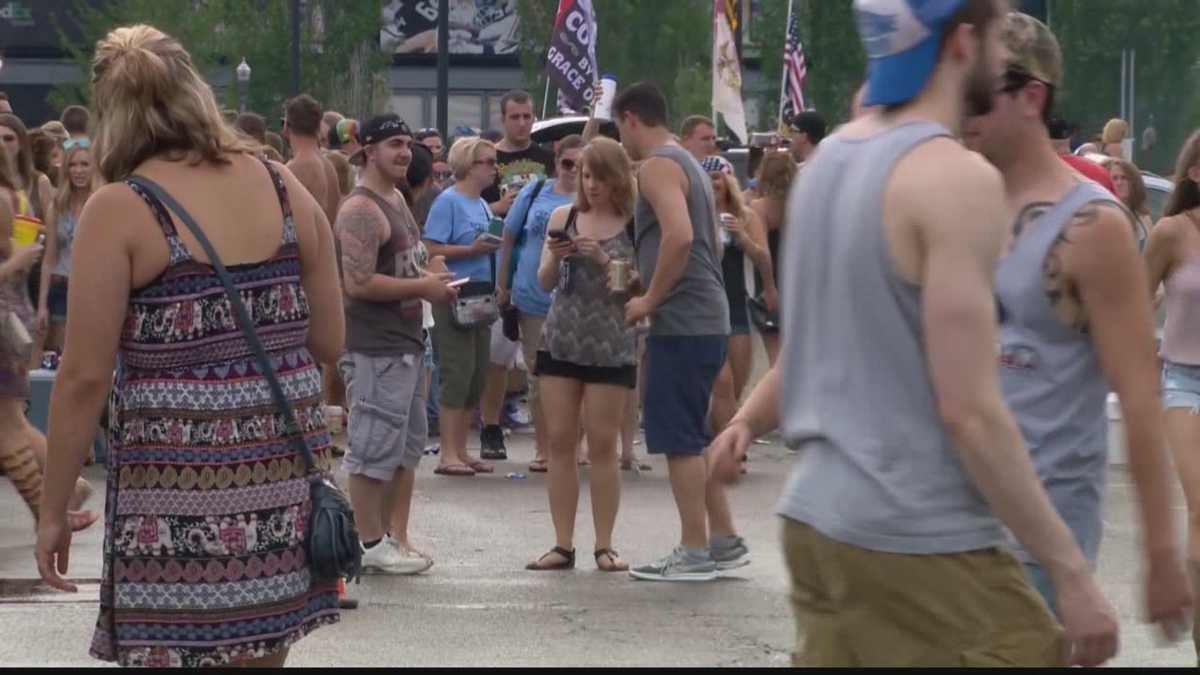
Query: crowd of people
(414, 283)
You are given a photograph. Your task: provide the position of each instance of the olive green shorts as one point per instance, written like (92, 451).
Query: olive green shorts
(463, 356)
(861, 608)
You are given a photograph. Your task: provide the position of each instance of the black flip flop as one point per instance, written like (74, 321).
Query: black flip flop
(568, 564)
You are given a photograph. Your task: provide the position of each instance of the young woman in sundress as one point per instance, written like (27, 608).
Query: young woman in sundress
(207, 509)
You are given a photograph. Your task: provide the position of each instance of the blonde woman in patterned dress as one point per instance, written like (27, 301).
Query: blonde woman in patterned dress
(207, 509)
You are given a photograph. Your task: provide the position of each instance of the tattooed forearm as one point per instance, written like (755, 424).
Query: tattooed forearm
(359, 228)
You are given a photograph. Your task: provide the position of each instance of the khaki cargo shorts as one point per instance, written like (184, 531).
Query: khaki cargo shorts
(861, 608)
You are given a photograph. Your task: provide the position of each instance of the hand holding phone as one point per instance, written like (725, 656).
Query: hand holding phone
(459, 282)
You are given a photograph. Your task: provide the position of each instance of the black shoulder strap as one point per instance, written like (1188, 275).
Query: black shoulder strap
(572, 216)
(293, 430)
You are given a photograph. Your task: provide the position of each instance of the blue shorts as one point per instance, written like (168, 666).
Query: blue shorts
(680, 372)
(1181, 386)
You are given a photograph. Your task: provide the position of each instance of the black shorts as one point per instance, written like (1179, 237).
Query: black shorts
(620, 376)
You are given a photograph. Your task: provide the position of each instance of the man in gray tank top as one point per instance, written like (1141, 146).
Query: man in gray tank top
(909, 461)
(679, 261)
(1074, 320)
(384, 278)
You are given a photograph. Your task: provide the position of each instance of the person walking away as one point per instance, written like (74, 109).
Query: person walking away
(456, 230)
(200, 465)
(587, 358)
(1173, 259)
(910, 465)
(526, 225)
(385, 276)
(78, 185)
(678, 254)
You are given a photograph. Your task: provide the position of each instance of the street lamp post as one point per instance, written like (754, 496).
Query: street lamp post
(243, 80)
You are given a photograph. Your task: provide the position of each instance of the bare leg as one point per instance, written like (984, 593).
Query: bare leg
(402, 490)
(688, 483)
(561, 400)
(716, 501)
(453, 427)
(369, 497)
(1183, 435)
(495, 384)
(771, 345)
(605, 407)
(629, 428)
(741, 360)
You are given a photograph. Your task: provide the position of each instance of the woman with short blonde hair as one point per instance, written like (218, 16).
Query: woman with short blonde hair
(465, 152)
(195, 572)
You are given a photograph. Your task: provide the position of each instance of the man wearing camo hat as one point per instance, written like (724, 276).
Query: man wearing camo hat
(1075, 322)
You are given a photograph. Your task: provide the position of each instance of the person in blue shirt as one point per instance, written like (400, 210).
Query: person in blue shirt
(456, 222)
(525, 234)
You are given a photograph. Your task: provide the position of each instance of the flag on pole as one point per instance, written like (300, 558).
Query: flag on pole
(571, 62)
(795, 70)
(727, 75)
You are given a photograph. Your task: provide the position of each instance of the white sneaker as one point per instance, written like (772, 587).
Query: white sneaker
(385, 559)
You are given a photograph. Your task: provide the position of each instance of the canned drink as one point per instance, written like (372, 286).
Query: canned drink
(603, 108)
(618, 275)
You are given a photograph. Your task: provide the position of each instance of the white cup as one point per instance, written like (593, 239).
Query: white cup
(335, 418)
(608, 93)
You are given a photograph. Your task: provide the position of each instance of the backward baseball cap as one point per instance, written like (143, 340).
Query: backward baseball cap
(1033, 49)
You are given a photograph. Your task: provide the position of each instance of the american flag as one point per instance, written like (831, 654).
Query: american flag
(795, 70)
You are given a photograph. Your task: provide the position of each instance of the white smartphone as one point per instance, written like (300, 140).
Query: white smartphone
(491, 238)
(458, 282)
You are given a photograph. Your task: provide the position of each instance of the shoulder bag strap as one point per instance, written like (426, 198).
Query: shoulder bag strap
(293, 431)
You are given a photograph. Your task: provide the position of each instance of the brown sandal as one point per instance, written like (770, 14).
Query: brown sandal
(615, 564)
(567, 564)
(539, 466)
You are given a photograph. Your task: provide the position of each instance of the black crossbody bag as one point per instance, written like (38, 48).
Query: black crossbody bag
(331, 541)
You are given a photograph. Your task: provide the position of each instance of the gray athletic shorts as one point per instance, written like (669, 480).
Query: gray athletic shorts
(387, 427)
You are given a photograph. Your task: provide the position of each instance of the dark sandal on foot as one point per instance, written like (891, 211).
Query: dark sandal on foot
(538, 466)
(615, 564)
(454, 470)
(567, 564)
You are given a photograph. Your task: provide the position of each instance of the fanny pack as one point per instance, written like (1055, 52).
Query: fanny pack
(476, 305)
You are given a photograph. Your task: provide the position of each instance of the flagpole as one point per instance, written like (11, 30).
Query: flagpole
(784, 75)
(717, 14)
(546, 97)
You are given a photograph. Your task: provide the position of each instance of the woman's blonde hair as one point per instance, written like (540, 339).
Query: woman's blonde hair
(150, 101)
(737, 203)
(57, 130)
(608, 163)
(776, 173)
(1115, 131)
(464, 153)
(67, 191)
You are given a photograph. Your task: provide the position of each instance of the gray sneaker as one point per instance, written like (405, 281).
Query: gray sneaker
(731, 556)
(679, 566)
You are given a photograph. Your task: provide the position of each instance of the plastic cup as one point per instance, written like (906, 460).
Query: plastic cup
(608, 93)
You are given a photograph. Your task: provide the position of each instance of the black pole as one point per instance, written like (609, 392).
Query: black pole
(443, 68)
(295, 47)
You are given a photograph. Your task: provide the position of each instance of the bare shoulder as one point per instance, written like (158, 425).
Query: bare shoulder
(558, 217)
(1172, 228)
(1103, 232)
(658, 172)
(359, 213)
(942, 185)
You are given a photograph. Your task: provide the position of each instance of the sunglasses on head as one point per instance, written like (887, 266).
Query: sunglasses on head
(77, 143)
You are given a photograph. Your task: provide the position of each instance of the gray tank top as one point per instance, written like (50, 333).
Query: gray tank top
(586, 322)
(697, 305)
(878, 469)
(390, 328)
(1052, 379)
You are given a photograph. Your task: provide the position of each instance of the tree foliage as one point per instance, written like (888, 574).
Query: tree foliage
(340, 63)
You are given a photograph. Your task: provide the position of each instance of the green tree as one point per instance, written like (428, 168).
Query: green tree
(340, 62)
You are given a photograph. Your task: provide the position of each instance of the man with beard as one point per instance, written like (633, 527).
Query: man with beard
(911, 465)
(1075, 321)
(385, 277)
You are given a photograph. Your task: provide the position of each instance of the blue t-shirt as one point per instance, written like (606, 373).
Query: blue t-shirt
(527, 293)
(457, 220)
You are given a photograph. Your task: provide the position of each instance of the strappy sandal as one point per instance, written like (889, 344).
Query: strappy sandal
(635, 464)
(567, 564)
(539, 466)
(613, 558)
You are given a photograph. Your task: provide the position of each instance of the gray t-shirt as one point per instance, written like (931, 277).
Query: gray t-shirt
(697, 306)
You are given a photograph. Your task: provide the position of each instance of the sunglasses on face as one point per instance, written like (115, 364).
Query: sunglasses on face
(1015, 80)
(442, 175)
(8, 139)
(568, 164)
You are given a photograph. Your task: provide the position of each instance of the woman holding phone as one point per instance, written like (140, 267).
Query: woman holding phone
(587, 360)
(457, 229)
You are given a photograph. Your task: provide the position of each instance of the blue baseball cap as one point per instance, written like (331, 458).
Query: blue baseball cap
(903, 40)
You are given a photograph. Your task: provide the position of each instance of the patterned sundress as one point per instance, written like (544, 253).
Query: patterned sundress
(207, 507)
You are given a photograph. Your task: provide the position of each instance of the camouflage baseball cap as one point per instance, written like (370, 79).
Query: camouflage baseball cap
(1033, 49)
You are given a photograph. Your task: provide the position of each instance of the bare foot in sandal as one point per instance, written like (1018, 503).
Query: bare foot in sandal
(558, 558)
(608, 560)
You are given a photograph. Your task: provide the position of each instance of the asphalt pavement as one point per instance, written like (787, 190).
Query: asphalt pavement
(479, 607)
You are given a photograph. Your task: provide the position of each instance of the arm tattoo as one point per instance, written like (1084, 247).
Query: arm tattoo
(358, 230)
(1062, 292)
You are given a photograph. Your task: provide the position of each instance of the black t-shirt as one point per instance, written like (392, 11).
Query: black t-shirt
(518, 169)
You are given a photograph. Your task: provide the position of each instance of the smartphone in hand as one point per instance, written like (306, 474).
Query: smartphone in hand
(558, 235)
